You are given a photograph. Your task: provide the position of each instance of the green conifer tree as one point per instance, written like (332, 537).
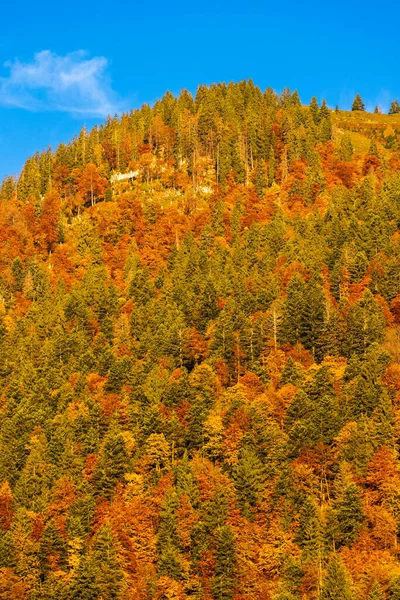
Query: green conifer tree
(308, 534)
(249, 475)
(336, 585)
(167, 541)
(324, 112)
(271, 167)
(314, 109)
(18, 274)
(313, 318)
(7, 550)
(394, 107)
(112, 464)
(365, 324)
(83, 585)
(346, 148)
(260, 178)
(292, 373)
(224, 580)
(108, 574)
(349, 516)
(373, 148)
(294, 310)
(358, 104)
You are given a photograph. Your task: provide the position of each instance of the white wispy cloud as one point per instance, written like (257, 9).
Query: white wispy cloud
(72, 83)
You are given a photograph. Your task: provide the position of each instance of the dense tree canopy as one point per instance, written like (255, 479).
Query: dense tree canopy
(200, 356)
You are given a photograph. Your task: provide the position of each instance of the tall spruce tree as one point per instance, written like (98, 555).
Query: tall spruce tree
(394, 107)
(358, 104)
(336, 584)
(224, 579)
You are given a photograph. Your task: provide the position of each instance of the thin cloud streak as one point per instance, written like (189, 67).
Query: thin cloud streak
(72, 83)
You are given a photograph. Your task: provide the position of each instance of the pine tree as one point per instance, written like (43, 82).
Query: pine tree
(312, 318)
(394, 107)
(224, 580)
(331, 335)
(108, 574)
(260, 178)
(291, 373)
(314, 109)
(346, 148)
(324, 112)
(358, 104)
(29, 183)
(167, 541)
(83, 585)
(325, 128)
(336, 585)
(185, 481)
(52, 548)
(112, 464)
(141, 287)
(271, 167)
(223, 343)
(109, 194)
(7, 550)
(18, 274)
(294, 310)
(349, 516)
(308, 535)
(365, 324)
(373, 148)
(249, 475)
(7, 189)
(206, 307)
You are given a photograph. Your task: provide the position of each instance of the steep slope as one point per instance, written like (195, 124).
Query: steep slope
(199, 356)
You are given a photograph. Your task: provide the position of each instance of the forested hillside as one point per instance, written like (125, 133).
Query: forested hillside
(200, 356)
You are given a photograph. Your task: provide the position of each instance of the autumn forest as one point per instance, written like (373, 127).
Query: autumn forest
(200, 355)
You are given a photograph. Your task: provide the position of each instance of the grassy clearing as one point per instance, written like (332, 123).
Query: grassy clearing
(345, 121)
(359, 117)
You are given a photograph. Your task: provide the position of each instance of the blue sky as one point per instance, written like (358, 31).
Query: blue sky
(64, 65)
